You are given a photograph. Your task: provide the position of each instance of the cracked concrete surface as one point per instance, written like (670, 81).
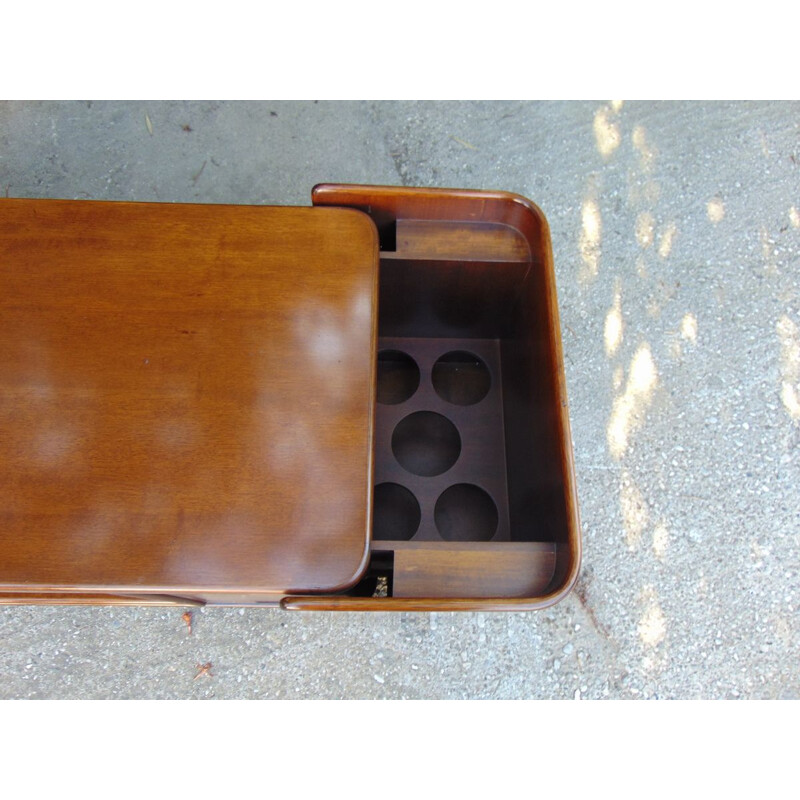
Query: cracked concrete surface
(676, 237)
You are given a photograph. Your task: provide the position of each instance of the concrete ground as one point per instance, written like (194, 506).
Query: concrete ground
(676, 236)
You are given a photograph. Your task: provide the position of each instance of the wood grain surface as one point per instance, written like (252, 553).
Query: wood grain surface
(186, 397)
(469, 569)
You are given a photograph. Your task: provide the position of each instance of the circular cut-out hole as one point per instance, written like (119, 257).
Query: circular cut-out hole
(461, 378)
(465, 513)
(398, 377)
(395, 513)
(426, 443)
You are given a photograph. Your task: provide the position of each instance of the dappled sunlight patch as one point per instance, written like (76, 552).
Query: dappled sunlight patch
(645, 225)
(647, 154)
(614, 326)
(689, 328)
(790, 366)
(591, 234)
(606, 131)
(660, 541)
(715, 209)
(643, 372)
(629, 409)
(635, 514)
(617, 378)
(794, 217)
(667, 239)
(652, 624)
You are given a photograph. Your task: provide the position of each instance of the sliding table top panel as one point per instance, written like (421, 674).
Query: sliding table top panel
(186, 396)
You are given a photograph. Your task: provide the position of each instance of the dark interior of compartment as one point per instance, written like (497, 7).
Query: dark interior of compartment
(467, 435)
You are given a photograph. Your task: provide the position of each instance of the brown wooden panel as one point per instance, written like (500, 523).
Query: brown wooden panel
(26, 599)
(186, 397)
(480, 458)
(453, 240)
(492, 570)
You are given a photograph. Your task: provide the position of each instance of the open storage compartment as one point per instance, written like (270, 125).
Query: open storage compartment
(272, 405)
(474, 502)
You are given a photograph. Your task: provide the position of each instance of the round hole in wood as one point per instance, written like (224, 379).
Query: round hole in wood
(395, 513)
(465, 513)
(426, 443)
(461, 378)
(398, 377)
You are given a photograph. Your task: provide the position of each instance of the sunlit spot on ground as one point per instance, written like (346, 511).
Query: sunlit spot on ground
(616, 105)
(666, 240)
(644, 229)
(618, 377)
(660, 541)
(689, 328)
(790, 366)
(715, 209)
(614, 326)
(641, 267)
(591, 234)
(629, 409)
(646, 153)
(643, 371)
(606, 131)
(794, 217)
(653, 623)
(635, 514)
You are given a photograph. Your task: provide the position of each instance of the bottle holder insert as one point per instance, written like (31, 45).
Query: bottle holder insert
(440, 460)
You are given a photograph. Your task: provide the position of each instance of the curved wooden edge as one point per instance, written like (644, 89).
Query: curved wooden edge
(528, 218)
(425, 203)
(427, 604)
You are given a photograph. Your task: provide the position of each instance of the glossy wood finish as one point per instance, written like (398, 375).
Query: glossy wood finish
(471, 569)
(454, 240)
(470, 265)
(425, 604)
(186, 399)
(97, 599)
